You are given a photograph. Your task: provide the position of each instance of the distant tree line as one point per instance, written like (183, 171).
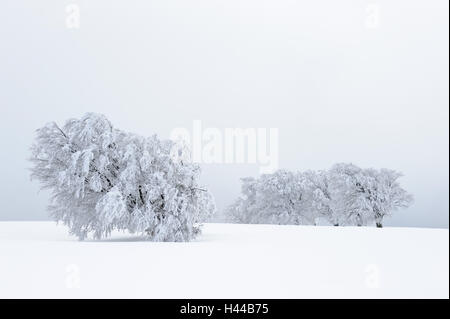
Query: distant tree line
(343, 195)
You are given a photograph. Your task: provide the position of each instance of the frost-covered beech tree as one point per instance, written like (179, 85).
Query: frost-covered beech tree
(366, 196)
(343, 195)
(386, 194)
(320, 200)
(280, 198)
(347, 204)
(103, 179)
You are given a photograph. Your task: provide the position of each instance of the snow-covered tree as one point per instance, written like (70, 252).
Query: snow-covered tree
(343, 195)
(320, 200)
(348, 201)
(388, 195)
(365, 196)
(103, 179)
(383, 193)
(279, 198)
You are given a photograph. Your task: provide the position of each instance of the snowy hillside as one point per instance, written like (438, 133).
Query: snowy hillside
(39, 259)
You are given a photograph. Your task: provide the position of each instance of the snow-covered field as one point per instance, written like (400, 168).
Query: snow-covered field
(39, 259)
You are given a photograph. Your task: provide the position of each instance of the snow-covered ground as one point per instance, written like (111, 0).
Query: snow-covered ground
(39, 259)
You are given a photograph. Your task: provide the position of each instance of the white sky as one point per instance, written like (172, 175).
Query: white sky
(337, 89)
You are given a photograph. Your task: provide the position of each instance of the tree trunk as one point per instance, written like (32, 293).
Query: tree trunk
(379, 225)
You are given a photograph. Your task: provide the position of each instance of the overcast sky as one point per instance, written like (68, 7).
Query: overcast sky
(343, 81)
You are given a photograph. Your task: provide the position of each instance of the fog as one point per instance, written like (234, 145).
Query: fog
(342, 81)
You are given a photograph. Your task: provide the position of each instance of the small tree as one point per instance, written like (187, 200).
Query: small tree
(348, 196)
(279, 198)
(383, 193)
(104, 179)
(365, 196)
(321, 202)
(239, 211)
